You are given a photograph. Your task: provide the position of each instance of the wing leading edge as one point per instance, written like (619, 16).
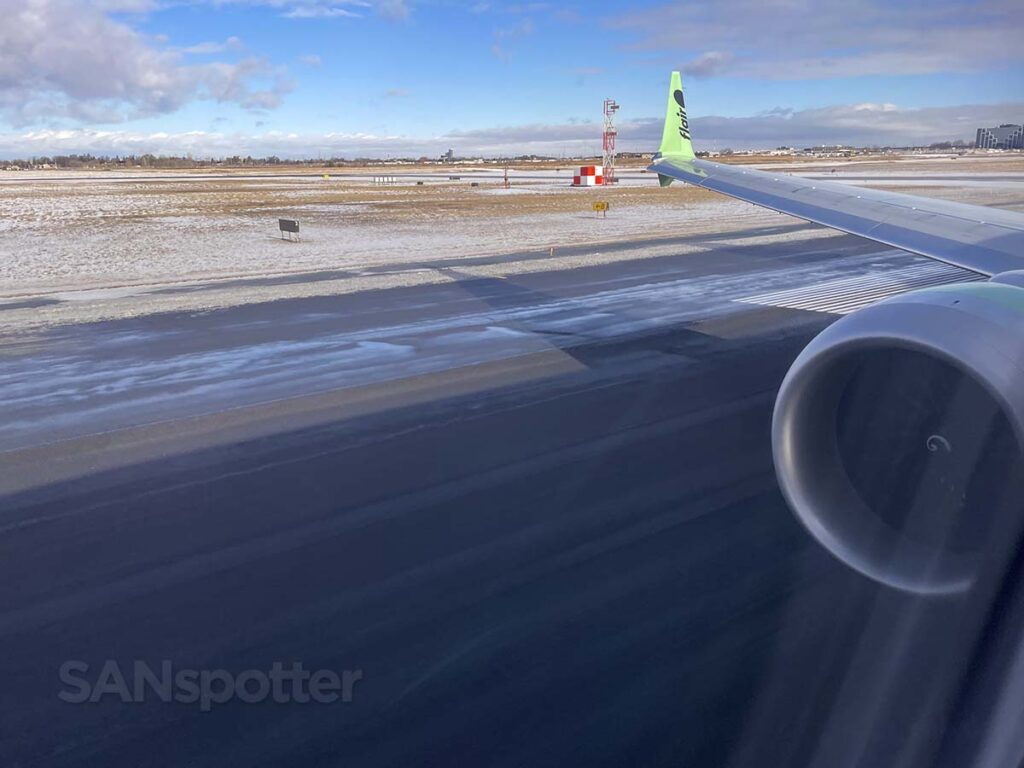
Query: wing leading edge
(984, 240)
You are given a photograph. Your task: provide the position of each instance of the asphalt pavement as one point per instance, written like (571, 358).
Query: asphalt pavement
(534, 519)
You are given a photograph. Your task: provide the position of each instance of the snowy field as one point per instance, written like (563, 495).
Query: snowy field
(110, 233)
(115, 244)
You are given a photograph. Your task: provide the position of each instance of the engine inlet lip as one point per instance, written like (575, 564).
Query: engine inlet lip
(810, 394)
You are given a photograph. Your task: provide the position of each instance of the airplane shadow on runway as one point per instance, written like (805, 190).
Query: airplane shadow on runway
(633, 335)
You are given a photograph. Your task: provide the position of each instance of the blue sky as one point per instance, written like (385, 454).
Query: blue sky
(377, 77)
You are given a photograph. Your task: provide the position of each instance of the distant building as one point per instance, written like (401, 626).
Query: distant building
(448, 157)
(1006, 136)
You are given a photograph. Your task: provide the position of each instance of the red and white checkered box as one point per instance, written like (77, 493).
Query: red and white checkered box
(589, 176)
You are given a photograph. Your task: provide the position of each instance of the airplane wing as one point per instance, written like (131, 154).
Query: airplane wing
(983, 240)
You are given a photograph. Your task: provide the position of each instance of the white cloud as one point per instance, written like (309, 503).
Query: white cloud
(319, 12)
(393, 9)
(852, 124)
(225, 82)
(311, 60)
(506, 35)
(396, 10)
(799, 39)
(231, 44)
(65, 59)
(709, 64)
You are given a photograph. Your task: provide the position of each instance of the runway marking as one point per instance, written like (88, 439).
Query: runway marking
(848, 294)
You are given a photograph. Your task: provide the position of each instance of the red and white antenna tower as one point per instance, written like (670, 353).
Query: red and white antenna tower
(608, 140)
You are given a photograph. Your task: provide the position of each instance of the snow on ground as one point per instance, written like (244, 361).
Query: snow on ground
(79, 241)
(93, 305)
(534, 189)
(112, 249)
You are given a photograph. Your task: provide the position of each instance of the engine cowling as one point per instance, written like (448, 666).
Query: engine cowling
(898, 434)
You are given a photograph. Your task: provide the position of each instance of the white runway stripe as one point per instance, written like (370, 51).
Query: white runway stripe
(848, 294)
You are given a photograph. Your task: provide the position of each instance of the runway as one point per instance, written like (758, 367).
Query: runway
(538, 515)
(87, 379)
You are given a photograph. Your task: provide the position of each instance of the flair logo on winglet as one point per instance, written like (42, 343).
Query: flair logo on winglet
(684, 126)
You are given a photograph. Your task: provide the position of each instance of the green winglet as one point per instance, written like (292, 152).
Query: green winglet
(675, 138)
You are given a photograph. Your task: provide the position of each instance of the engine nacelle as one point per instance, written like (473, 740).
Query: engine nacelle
(898, 434)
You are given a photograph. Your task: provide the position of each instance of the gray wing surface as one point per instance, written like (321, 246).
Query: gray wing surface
(983, 240)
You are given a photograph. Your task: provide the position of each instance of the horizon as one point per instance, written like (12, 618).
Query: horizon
(235, 160)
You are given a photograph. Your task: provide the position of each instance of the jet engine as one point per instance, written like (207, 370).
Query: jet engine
(898, 434)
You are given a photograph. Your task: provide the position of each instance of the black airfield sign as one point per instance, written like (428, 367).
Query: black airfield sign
(291, 226)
